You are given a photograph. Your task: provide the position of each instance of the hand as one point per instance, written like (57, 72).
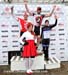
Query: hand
(54, 7)
(26, 43)
(21, 50)
(12, 9)
(56, 17)
(25, 1)
(38, 36)
(35, 44)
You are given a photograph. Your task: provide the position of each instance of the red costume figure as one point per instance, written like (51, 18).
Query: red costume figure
(29, 50)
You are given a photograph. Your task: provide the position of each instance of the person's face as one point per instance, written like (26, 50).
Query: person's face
(38, 11)
(25, 16)
(46, 23)
(30, 28)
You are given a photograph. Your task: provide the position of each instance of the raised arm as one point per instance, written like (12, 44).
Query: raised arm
(27, 9)
(53, 25)
(50, 14)
(12, 9)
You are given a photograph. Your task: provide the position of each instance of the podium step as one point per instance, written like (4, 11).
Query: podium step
(18, 63)
(52, 63)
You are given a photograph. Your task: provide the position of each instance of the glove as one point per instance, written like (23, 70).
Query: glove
(35, 44)
(26, 43)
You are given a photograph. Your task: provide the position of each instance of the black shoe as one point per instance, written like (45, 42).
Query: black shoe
(47, 59)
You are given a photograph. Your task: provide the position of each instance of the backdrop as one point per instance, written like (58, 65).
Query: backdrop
(10, 30)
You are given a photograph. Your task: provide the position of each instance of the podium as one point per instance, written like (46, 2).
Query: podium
(18, 63)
